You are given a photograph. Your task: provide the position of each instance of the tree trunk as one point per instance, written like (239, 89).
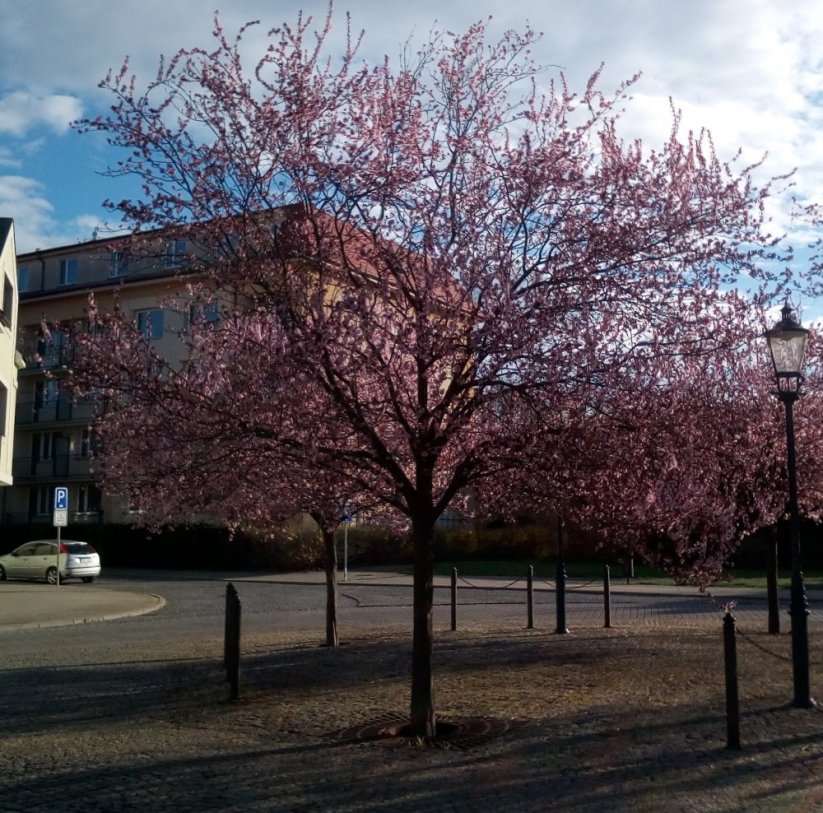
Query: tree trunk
(331, 587)
(422, 718)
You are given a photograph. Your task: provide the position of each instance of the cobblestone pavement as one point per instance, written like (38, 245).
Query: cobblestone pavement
(623, 719)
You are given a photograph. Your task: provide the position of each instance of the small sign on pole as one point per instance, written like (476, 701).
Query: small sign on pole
(61, 519)
(61, 507)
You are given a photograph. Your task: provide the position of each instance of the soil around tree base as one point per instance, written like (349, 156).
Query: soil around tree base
(457, 733)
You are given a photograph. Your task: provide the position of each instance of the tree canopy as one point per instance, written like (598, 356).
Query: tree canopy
(429, 272)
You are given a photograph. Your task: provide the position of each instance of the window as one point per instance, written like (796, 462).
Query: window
(89, 443)
(4, 405)
(46, 393)
(175, 253)
(44, 445)
(7, 305)
(23, 280)
(54, 349)
(45, 499)
(88, 499)
(206, 313)
(118, 263)
(150, 323)
(68, 271)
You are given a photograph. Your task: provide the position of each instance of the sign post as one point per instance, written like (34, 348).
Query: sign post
(61, 518)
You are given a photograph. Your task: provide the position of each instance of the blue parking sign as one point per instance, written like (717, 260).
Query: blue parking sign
(61, 498)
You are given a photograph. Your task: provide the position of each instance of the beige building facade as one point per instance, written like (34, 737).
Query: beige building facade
(53, 439)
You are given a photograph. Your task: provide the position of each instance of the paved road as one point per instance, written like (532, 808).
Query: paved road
(153, 609)
(130, 714)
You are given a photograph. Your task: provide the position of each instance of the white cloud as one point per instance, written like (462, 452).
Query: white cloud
(22, 111)
(749, 70)
(23, 198)
(8, 158)
(35, 225)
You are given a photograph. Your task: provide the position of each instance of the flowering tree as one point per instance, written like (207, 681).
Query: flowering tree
(455, 239)
(682, 459)
(201, 439)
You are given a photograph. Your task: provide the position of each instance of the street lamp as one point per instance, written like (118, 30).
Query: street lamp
(787, 345)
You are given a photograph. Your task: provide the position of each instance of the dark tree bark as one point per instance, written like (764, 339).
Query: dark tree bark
(331, 587)
(422, 720)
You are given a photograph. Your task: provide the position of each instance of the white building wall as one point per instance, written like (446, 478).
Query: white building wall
(8, 346)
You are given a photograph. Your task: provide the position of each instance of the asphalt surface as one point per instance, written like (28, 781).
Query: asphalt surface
(33, 605)
(133, 714)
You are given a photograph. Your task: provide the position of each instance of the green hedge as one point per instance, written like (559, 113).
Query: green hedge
(299, 546)
(193, 548)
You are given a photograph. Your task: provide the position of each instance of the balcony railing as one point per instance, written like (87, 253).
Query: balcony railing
(57, 411)
(68, 467)
(40, 354)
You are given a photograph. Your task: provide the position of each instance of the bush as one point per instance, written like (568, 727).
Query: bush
(198, 547)
(298, 545)
(371, 545)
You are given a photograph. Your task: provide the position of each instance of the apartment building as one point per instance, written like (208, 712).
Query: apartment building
(53, 441)
(8, 349)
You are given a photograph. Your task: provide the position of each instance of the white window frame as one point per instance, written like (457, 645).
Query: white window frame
(46, 446)
(118, 264)
(69, 268)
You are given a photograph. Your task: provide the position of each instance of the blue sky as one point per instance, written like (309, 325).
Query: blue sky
(749, 70)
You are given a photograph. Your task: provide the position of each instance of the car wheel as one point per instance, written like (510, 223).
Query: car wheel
(2, 573)
(87, 579)
(51, 575)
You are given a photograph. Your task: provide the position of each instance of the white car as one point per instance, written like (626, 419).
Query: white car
(38, 560)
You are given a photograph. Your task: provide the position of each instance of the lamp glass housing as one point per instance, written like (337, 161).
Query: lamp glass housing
(787, 345)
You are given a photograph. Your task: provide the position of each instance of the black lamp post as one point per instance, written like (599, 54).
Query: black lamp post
(787, 345)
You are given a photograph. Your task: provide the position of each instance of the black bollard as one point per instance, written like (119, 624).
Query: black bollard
(628, 568)
(530, 597)
(607, 598)
(732, 701)
(561, 599)
(231, 650)
(772, 588)
(454, 599)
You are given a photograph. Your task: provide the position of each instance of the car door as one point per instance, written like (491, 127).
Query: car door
(44, 557)
(21, 563)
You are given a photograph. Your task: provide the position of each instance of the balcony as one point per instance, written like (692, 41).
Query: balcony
(65, 468)
(60, 410)
(40, 355)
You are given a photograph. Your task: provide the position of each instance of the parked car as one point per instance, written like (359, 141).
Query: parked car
(38, 560)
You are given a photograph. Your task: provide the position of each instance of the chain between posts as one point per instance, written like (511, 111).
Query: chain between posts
(726, 606)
